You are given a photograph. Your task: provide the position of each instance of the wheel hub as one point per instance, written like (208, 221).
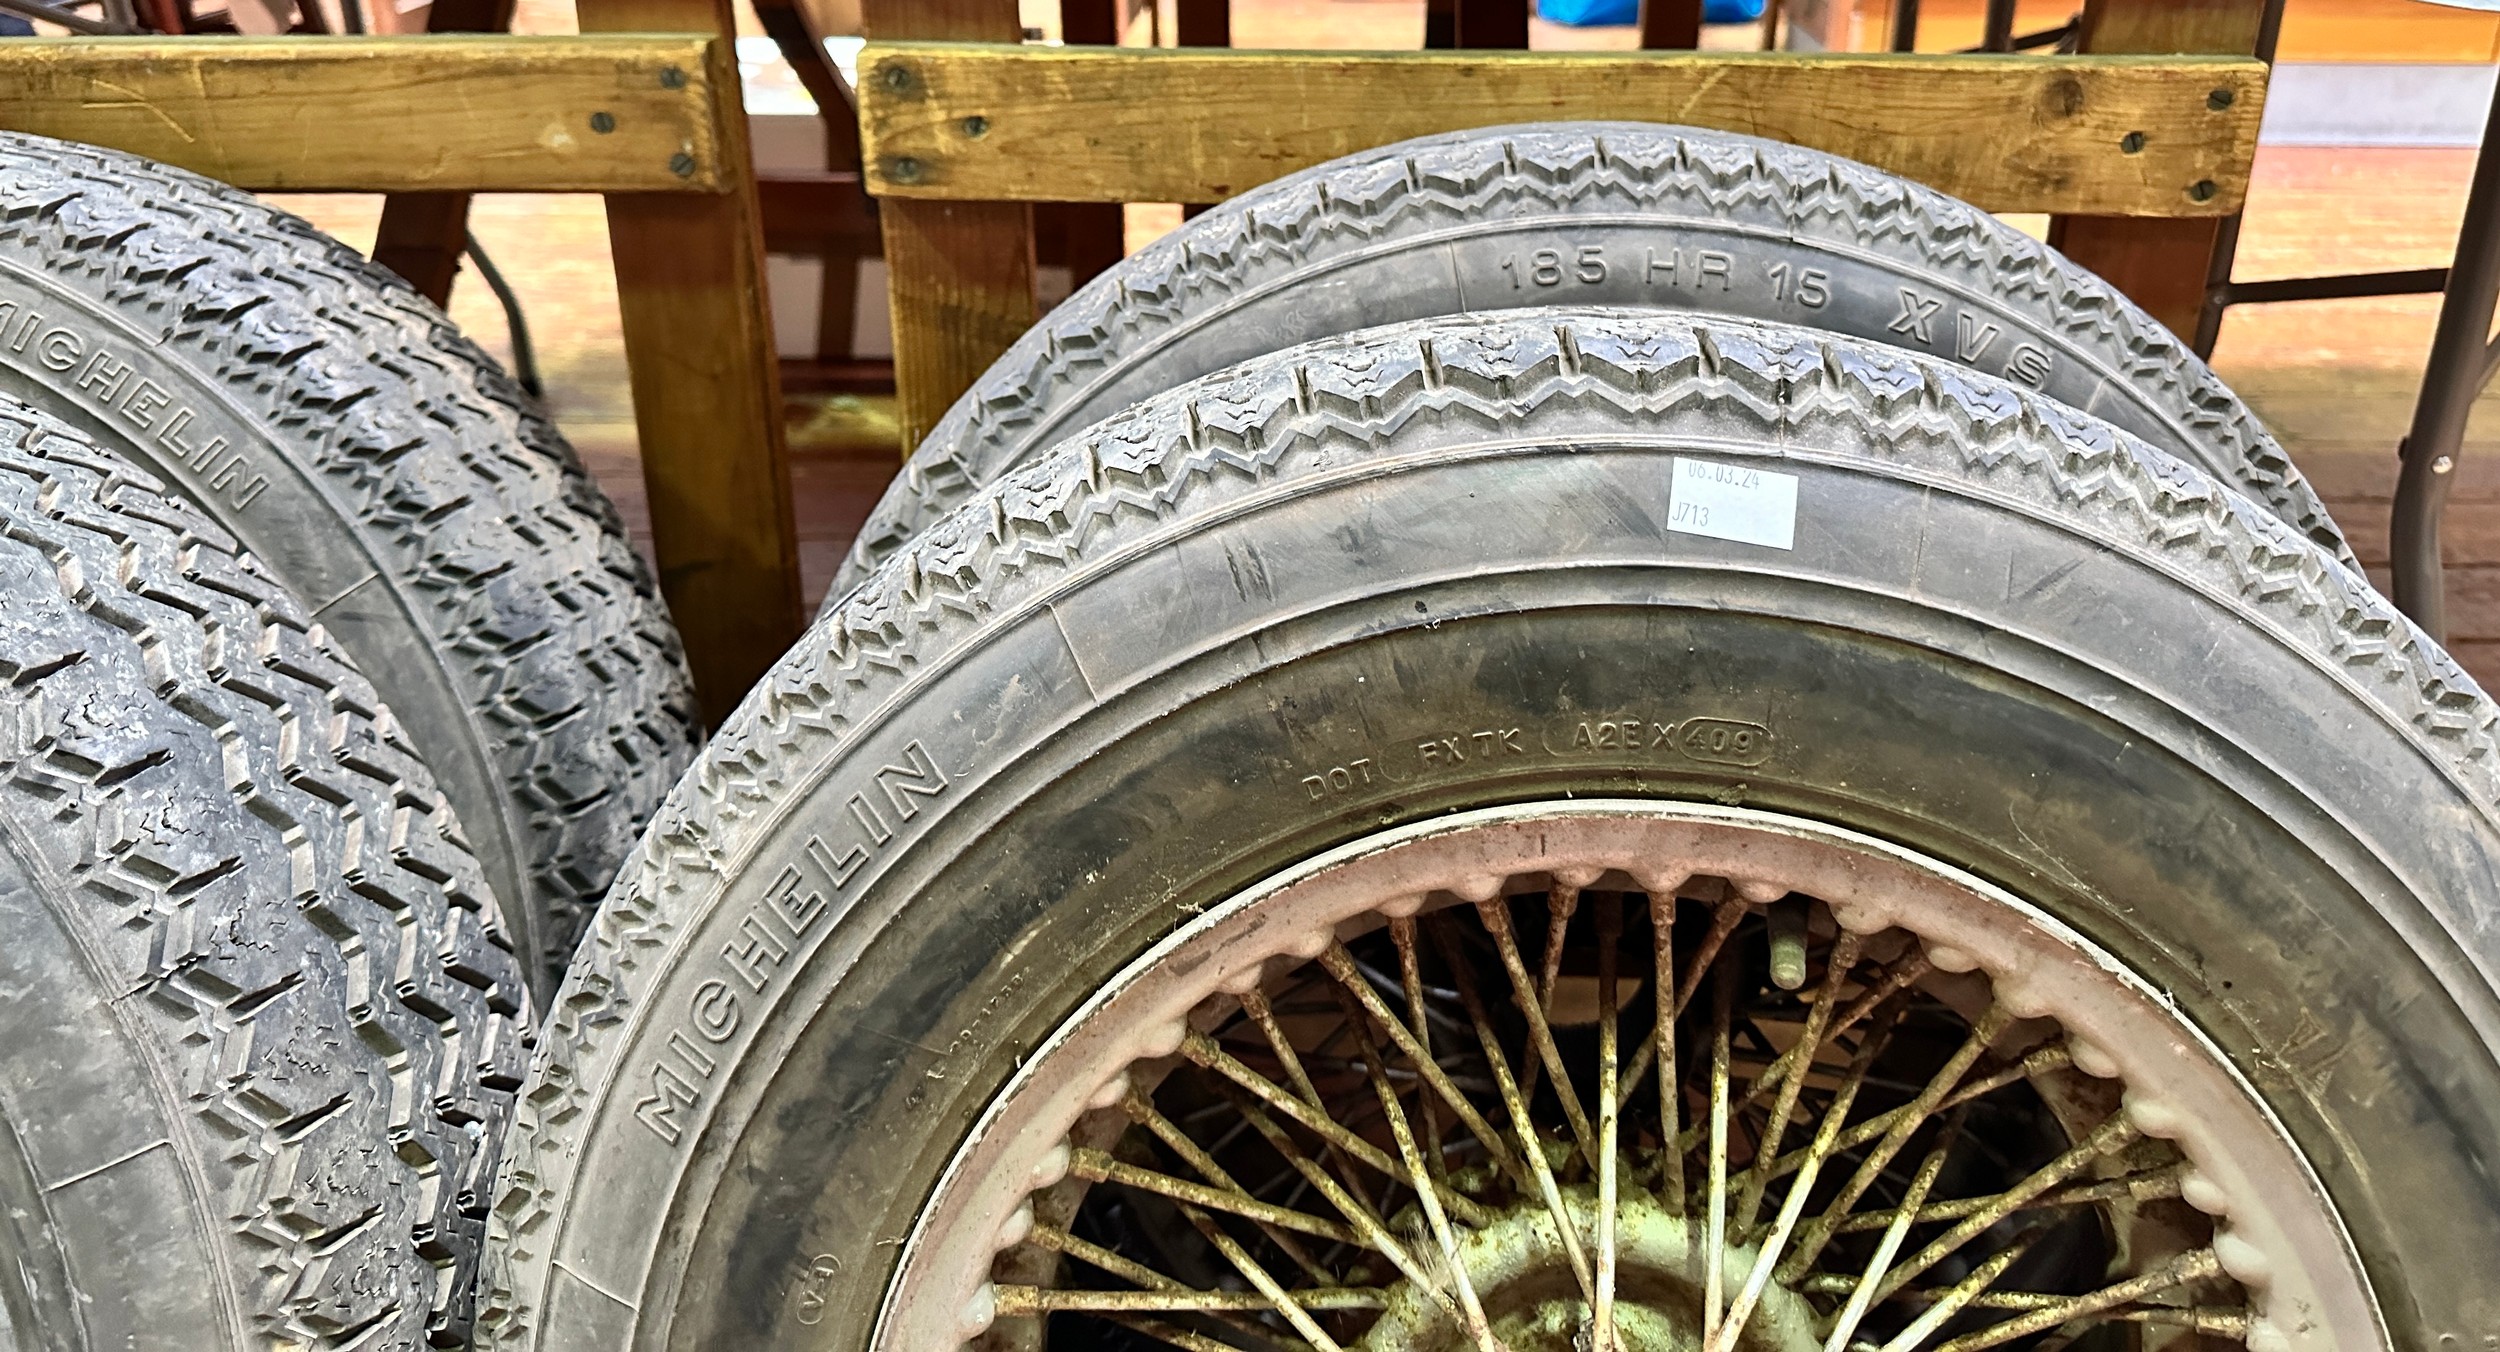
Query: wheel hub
(1629, 1074)
(1533, 1301)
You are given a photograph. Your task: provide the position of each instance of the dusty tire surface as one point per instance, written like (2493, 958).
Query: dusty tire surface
(1402, 574)
(259, 1026)
(1587, 214)
(389, 474)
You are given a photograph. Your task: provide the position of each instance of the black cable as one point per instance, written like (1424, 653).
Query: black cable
(524, 358)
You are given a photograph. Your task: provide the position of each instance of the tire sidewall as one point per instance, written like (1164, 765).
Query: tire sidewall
(2140, 760)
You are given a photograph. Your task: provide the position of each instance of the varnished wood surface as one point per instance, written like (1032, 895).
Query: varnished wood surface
(707, 392)
(960, 274)
(387, 114)
(991, 122)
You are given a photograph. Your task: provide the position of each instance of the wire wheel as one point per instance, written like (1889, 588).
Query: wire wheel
(1571, 1105)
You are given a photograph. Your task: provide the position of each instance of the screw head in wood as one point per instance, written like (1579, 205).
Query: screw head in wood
(2202, 190)
(603, 123)
(681, 164)
(2132, 143)
(976, 126)
(903, 169)
(897, 76)
(2221, 99)
(672, 78)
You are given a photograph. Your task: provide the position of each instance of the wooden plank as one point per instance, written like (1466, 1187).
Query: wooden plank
(707, 390)
(377, 114)
(423, 234)
(959, 275)
(995, 122)
(2168, 267)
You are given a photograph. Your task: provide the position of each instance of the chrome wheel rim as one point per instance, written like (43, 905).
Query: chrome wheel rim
(1376, 1103)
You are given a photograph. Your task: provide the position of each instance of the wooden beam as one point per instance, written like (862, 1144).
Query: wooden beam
(959, 275)
(970, 122)
(2168, 267)
(423, 234)
(378, 114)
(707, 390)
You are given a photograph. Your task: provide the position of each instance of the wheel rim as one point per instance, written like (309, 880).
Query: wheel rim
(2003, 1138)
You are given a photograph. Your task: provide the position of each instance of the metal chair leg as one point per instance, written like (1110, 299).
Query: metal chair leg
(2461, 363)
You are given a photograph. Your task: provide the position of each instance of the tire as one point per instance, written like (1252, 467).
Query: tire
(1452, 224)
(260, 1028)
(389, 475)
(1361, 586)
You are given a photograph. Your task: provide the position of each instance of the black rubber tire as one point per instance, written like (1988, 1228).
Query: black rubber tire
(259, 1027)
(1452, 224)
(382, 467)
(1213, 636)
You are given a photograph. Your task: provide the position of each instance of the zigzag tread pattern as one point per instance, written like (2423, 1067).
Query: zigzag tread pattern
(516, 565)
(1423, 187)
(261, 866)
(1147, 472)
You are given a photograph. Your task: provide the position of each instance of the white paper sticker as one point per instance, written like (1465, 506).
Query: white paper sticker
(1733, 502)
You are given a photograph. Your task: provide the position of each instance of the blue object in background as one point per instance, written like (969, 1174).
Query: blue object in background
(1598, 13)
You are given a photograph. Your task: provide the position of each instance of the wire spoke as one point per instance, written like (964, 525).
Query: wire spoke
(1662, 1045)
(1715, 1263)
(1609, 1120)
(1372, 1148)
(1351, 985)
(1425, 1193)
(1419, 1022)
(1951, 1302)
(1496, 917)
(1730, 914)
(1516, 1106)
(1826, 1137)
(2110, 1137)
(1026, 1300)
(1791, 1071)
(1810, 1243)
(1561, 902)
(1255, 1005)
(1202, 1050)
(1143, 1113)
(1095, 1166)
(1862, 1298)
(2192, 1266)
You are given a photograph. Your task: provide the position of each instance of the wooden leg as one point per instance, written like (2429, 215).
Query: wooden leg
(837, 303)
(2164, 265)
(707, 390)
(420, 238)
(960, 279)
(1670, 25)
(1090, 22)
(423, 233)
(1203, 23)
(959, 275)
(1499, 25)
(1086, 237)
